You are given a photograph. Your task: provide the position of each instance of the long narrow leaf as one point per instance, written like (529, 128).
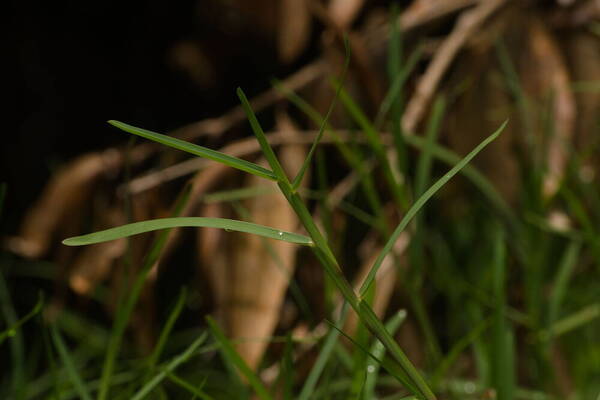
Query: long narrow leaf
(378, 351)
(561, 281)
(167, 328)
(11, 331)
(419, 203)
(235, 358)
(415, 381)
(196, 391)
(196, 150)
(72, 371)
(331, 339)
(502, 337)
(313, 147)
(375, 142)
(171, 366)
(279, 173)
(165, 223)
(129, 302)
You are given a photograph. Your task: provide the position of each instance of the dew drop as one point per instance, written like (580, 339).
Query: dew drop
(280, 233)
(371, 369)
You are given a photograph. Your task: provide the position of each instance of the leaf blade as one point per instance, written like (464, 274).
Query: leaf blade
(420, 202)
(176, 222)
(196, 150)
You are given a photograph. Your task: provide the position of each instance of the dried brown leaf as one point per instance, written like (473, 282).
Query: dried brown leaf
(344, 12)
(63, 200)
(249, 275)
(93, 264)
(293, 31)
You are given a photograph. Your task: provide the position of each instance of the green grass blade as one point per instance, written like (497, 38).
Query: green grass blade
(374, 140)
(456, 350)
(414, 381)
(524, 107)
(395, 71)
(196, 391)
(559, 288)
(262, 139)
(298, 179)
(196, 150)
(417, 252)
(324, 354)
(171, 366)
(378, 351)
(129, 302)
(167, 223)
(419, 203)
(425, 160)
(352, 158)
(72, 371)
(238, 194)
(286, 368)
(571, 322)
(17, 349)
(11, 331)
(390, 367)
(167, 328)
(235, 358)
(503, 367)
(477, 178)
(397, 85)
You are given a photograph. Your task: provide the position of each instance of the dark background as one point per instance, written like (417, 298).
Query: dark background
(74, 65)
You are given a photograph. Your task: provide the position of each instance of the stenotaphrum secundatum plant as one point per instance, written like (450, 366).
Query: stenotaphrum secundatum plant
(398, 366)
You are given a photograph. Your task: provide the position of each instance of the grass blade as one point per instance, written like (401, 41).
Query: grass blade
(414, 381)
(352, 158)
(503, 366)
(196, 391)
(11, 331)
(328, 345)
(17, 349)
(419, 203)
(196, 150)
(298, 179)
(279, 173)
(457, 349)
(477, 178)
(166, 223)
(72, 371)
(235, 358)
(378, 351)
(417, 252)
(171, 366)
(128, 303)
(168, 327)
(391, 368)
(397, 85)
(425, 160)
(572, 322)
(286, 369)
(561, 281)
(376, 144)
